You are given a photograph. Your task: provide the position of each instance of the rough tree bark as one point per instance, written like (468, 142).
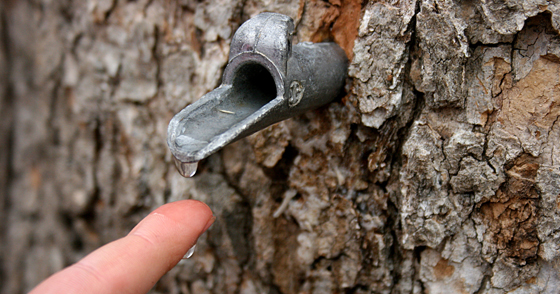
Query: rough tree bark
(437, 172)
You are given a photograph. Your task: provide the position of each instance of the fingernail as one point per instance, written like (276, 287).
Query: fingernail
(209, 223)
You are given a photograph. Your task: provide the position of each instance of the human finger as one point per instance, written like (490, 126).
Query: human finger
(133, 264)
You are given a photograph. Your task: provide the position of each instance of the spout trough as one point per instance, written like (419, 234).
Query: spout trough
(266, 80)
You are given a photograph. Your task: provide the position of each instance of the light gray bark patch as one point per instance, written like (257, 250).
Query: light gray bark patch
(177, 74)
(428, 210)
(380, 56)
(443, 53)
(138, 75)
(476, 177)
(487, 74)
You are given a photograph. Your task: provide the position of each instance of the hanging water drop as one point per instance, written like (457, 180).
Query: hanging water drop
(190, 252)
(186, 169)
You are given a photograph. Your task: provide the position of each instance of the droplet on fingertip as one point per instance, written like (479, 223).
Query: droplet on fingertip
(190, 252)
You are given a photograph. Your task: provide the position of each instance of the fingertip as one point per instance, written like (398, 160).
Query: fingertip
(179, 209)
(193, 214)
(210, 222)
(138, 260)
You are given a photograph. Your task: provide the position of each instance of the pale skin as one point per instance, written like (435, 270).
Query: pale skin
(133, 264)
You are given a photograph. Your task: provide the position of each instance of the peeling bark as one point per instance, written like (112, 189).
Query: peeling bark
(437, 172)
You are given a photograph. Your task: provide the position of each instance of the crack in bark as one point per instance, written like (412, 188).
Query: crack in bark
(6, 141)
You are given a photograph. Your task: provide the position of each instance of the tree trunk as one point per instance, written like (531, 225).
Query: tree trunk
(437, 172)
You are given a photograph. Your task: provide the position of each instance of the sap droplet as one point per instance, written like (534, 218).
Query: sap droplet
(186, 169)
(190, 252)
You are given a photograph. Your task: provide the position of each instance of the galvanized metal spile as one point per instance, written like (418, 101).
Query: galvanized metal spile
(265, 81)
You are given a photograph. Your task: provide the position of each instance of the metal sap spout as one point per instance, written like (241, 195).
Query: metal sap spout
(266, 80)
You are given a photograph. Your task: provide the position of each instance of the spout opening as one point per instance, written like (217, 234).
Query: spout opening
(254, 85)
